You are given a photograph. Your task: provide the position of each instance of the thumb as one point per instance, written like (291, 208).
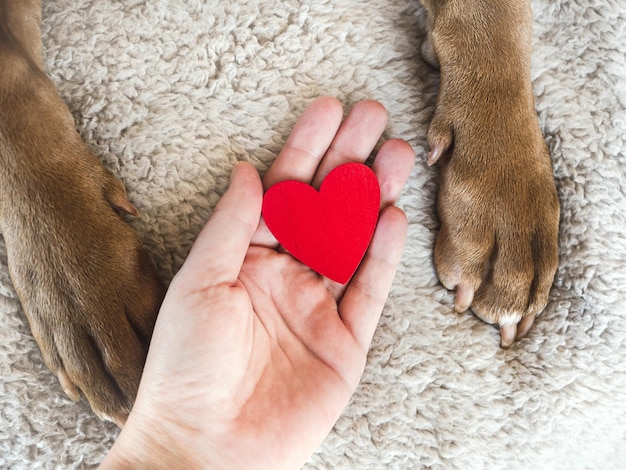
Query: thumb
(218, 252)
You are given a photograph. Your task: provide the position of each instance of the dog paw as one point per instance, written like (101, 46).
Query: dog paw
(499, 211)
(88, 288)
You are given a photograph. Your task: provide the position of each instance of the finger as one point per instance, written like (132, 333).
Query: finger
(355, 139)
(524, 326)
(302, 153)
(367, 292)
(263, 237)
(308, 142)
(392, 166)
(218, 253)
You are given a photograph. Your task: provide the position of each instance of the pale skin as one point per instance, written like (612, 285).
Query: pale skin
(254, 356)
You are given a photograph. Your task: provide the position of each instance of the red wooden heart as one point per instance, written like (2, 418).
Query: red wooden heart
(328, 230)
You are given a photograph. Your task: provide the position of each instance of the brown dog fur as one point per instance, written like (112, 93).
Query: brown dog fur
(497, 202)
(87, 287)
(89, 290)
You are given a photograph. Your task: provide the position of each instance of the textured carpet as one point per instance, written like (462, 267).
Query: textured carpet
(169, 94)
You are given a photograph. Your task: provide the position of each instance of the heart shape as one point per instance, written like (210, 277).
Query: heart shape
(330, 229)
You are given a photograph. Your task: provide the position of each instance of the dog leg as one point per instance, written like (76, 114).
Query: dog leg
(87, 287)
(499, 211)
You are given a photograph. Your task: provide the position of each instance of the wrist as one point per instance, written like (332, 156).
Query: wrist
(140, 445)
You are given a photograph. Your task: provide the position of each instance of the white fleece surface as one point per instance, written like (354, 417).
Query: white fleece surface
(169, 94)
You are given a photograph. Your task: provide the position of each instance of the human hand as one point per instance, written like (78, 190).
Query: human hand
(254, 355)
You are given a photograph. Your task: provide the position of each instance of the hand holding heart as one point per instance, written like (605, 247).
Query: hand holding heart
(254, 355)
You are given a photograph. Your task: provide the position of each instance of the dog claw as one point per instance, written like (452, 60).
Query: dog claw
(68, 386)
(125, 206)
(524, 326)
(119, 420)
(507, 333)
(115, 193)
(120, 202)
(428, 53)
(436, 152)
(464, 298)
(440, 138)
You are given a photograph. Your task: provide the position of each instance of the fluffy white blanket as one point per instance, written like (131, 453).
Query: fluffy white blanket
(170, 93)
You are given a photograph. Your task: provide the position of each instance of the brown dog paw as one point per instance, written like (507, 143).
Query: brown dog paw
(88, 288)
(499, 211)
(89, 291)
(497, 204)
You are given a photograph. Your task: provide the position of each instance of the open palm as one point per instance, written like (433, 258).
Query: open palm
(254, 355)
